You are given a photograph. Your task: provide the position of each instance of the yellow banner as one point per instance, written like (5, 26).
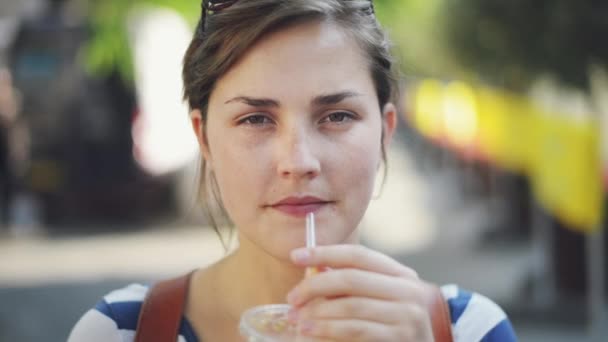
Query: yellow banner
(505, 129)
(559, 153)
(566, 175)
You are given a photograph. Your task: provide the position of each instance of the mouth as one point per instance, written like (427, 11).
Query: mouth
(300, 206)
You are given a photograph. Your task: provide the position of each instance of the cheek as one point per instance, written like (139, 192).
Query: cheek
(239, 171)
(360, 157)
(367, 152)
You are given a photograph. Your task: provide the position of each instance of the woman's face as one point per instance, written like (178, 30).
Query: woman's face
(295, 127)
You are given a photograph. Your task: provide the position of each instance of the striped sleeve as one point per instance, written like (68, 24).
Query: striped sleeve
(95, 327)
(114, 318)
(476, 318)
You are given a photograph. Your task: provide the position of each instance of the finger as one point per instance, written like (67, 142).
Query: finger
(357, 283)
(346, 330)
(360, 308)
(351, 256)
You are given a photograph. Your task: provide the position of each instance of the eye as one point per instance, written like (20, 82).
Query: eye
(338, 117)
(255, 120)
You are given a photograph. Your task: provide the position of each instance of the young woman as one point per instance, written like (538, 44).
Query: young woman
(291, 104)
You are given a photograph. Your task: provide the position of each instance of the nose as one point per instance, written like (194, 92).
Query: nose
(296, 155)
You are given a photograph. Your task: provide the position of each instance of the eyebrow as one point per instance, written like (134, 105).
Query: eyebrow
(330, 99)
(255, 102)
(318, 101)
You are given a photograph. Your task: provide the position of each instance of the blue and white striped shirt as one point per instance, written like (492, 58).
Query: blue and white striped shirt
(114, 318)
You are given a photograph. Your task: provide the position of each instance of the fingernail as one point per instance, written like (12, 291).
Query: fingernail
(300, 255)
(305, 326)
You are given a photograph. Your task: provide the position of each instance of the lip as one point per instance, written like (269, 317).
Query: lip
(300, 206)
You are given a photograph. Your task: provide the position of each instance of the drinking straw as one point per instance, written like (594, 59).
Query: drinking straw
(311, 240)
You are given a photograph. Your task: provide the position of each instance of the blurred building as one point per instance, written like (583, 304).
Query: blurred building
(82, 165)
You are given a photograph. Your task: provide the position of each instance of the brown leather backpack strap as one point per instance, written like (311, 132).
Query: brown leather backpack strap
(162, 310)
(440, 314)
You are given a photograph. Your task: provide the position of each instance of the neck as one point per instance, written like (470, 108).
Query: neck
(252, 277)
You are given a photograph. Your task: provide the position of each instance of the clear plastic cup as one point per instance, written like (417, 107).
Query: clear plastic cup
(267, 323)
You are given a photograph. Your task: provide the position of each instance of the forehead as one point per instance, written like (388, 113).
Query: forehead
(303, 60)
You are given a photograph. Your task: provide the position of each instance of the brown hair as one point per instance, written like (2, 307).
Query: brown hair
(224, 37)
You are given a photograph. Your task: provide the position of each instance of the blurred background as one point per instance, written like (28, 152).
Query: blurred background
(497, 179)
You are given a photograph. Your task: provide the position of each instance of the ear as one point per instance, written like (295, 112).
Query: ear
(389, 123)
(198, 125)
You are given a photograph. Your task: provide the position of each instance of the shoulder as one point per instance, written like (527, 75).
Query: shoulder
(114, 318)
(476, 317)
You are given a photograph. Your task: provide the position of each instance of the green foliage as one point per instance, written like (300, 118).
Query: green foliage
(413, 27)
(511, 42)
(108, 48)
